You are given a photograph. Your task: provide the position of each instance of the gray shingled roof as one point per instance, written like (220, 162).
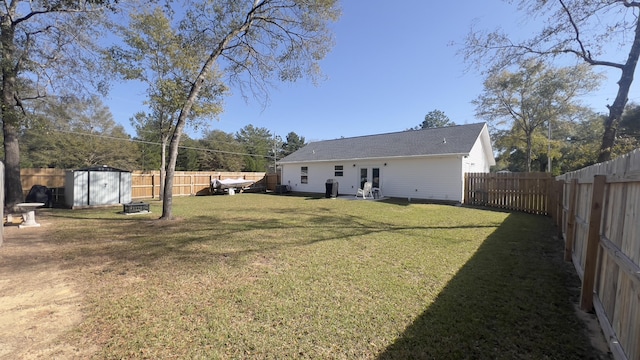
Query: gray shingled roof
(437, 141)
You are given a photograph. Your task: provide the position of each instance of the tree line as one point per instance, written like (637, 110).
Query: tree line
(540, 123)
(188, 53)
(76, 133)
(595, 34)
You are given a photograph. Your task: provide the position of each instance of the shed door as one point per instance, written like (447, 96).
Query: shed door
(104, 187)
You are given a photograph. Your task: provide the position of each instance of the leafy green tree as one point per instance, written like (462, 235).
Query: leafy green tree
(630, 123)
(149, 155)
(44, 43)
(159, 56)
(532, 97)
(513, 157)
(151, 140)
(580, 142)
(578, 28)
(73, 133)
(275, 154)
(225, 152)
(251, 43)
(435, 119)
(575, 145)
(292, 143)
(188, 156)
(257, 144)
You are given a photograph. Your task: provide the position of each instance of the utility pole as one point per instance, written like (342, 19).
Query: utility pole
(276, 145)
(549, 149)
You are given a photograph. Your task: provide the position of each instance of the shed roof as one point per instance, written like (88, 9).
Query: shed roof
(449, 140)
(101, 168)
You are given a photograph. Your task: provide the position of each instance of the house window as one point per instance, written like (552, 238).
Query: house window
(304, 171)
(339, 170)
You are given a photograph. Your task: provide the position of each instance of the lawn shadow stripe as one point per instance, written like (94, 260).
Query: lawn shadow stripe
(512, 299)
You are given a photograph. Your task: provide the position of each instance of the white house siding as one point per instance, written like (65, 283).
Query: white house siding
(436, 178)
(477, 160)
(317, 176)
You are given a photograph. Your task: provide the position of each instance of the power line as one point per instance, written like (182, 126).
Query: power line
(160, 144)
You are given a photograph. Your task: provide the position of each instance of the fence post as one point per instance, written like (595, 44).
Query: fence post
(466, 189)
(560, 204)
(553, 199)
(153, 186)
(593, 243)
(557, 206)
(571, 220)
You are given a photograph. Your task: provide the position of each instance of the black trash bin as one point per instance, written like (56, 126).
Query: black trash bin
(331, 188)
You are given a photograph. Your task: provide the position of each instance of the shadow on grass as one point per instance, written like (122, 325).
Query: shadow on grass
(511, 300)
(202, 239)
(386, 200)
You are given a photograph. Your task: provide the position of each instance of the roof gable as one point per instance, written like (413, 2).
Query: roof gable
(449, 140)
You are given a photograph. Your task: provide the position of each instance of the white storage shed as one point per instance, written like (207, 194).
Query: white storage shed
(97, 186)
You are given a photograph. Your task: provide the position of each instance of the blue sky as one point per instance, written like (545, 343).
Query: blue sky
(390, 66)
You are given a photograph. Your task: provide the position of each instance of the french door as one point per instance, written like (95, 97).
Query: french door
(371, 174)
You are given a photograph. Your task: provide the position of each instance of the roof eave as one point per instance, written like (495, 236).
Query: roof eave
(374, 158)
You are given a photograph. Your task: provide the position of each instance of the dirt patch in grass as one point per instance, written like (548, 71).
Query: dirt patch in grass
(39, 301)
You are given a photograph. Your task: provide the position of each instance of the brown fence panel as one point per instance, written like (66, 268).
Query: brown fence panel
(143, 185)
(185, 183)
(603, 236)
(51, 178)
(146, 184)
(527, 192)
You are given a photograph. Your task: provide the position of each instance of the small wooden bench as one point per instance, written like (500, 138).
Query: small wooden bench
(135, 207)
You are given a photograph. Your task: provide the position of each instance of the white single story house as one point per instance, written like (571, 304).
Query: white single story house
(417, 164)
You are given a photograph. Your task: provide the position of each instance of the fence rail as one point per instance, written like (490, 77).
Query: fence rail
(187, 183)
(526, 192)
(146, 184)
(598, 213)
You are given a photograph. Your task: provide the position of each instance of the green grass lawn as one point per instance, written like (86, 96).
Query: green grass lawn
(264, 276)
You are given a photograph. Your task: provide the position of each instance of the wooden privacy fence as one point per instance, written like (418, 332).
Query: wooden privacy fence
(51, 178)
(526, 192)
(146, 184)
(186, 183)
(598, 214)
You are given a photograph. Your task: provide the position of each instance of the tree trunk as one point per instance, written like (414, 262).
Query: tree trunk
(163, 163)
(13, 184)
(529, 152)
(167, 200)
(10, 117)
(616, 110)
